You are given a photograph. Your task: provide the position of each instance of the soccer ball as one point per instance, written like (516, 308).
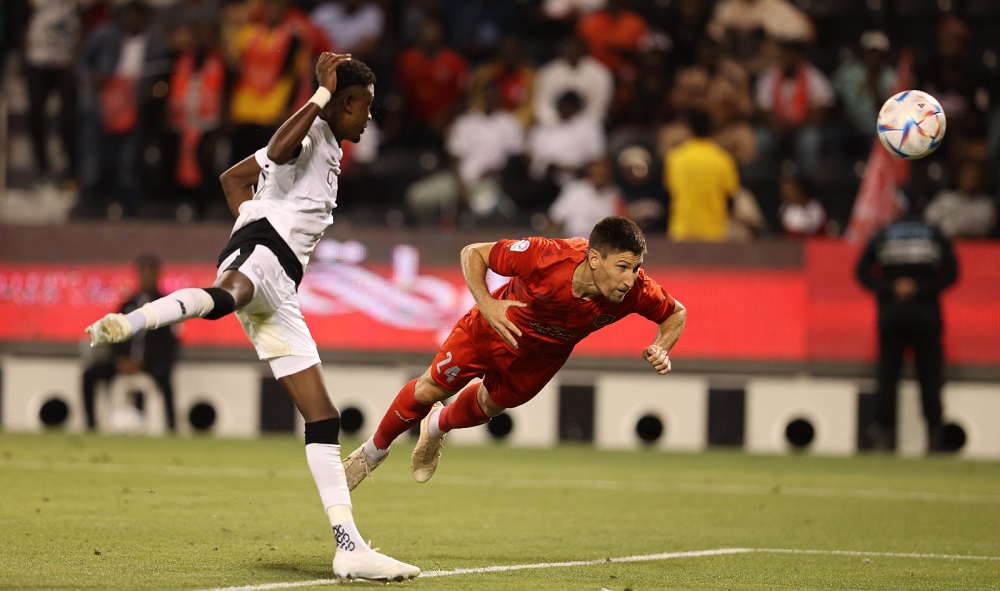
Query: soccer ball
(911, 124)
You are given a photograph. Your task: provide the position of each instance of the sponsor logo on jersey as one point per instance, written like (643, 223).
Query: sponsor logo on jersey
(520, 246)
(604, 320)
(554, 331)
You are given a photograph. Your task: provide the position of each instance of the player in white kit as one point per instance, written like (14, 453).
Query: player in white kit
(283, 198)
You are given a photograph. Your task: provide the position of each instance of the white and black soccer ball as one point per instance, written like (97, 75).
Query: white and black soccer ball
(911, 124)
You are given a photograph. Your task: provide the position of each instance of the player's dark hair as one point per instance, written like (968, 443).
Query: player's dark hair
(617, 234)
(353, 73)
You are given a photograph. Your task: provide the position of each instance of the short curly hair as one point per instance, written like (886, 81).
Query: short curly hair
(353, 73)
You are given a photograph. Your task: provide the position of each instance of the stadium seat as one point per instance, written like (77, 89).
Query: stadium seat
(973, 407)
(117, 412)
(37, 388)
(222, 398)
(780, 409)
(678, 404)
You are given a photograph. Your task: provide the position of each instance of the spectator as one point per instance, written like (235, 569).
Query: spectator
(480, 143)
(570, 10)
(410, 17)
(120, 64)
(720, 86)
(584, 202)
(641, 100)
(640, 179)
(432, 80)
(173, 21)
(801, 213)
(51, 44)
(196, 102)
(353, 26)
(573, 70)
(743, 27)
(511, 76)
(954, 76)
(701, 179)
(907, 265)
(475, 27)
(862, 87)
(272, 56)
(686, 21)
(792, 98)
(965, 211)
(613, 36)
(559, 151)
(153, 352)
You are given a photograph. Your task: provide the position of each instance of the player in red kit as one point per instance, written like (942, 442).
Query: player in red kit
(519, 336)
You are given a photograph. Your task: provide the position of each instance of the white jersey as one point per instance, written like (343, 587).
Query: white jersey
(297, 198)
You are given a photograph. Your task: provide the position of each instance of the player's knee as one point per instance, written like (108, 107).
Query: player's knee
(486, 403)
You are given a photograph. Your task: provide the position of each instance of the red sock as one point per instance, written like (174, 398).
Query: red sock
(464, 412)
(403, 413)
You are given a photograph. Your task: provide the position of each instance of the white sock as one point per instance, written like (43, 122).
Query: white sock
(434, 425)
(328, 473)
(344, 529)
(183, 304)
(373, 454)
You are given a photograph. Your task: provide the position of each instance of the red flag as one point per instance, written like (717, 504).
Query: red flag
(876, 203)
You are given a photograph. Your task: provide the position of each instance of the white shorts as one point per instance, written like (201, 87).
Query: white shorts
(272, 320)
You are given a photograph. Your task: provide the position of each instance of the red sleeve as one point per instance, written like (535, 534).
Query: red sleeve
(654, 302)
(517, 258)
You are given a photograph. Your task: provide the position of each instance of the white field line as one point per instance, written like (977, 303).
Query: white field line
(621, 559)
(529, 483)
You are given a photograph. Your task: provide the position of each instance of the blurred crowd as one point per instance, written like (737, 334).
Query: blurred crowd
(700, 119)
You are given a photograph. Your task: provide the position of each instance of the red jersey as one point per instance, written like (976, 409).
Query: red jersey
(554, 321)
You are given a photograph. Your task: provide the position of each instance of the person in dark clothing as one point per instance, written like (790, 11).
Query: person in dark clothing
(907, 265)
(153, 352)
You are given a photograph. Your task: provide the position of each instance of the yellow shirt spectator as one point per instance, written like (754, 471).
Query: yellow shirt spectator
(701, 178)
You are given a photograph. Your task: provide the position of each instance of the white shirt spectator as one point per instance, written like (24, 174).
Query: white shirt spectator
(345, 29)
(567, 144)
(589, 78)
(51, 39)
(581, 205)
(560, 9)
(958, 215)
(804, 219)
(777, 18)
(483, 142)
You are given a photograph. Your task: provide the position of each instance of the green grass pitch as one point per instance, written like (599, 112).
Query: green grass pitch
(196, 513)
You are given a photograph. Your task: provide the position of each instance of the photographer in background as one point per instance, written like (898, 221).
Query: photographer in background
(153, 352)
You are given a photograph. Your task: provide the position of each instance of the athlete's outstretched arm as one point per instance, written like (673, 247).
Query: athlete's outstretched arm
(475, 263)
(238, 183)
(286, 143)
(658, 354)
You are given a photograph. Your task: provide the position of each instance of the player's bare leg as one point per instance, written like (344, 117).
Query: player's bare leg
(354, 559)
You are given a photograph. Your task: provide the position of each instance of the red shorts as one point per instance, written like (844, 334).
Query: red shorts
(511, 378)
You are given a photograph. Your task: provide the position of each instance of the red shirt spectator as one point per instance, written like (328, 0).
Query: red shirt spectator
(613, 35)
(432, 78)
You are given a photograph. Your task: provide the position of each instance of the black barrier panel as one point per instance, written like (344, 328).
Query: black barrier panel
(576, 413)
(726, 417)
(277, 413)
